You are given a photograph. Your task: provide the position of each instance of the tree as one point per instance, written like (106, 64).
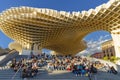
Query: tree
(105, 58)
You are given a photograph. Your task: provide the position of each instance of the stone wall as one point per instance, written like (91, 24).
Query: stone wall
(9, 56)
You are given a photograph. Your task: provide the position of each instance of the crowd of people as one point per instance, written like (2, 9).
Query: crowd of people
(28, 68)
(76, 64)
(110, 69)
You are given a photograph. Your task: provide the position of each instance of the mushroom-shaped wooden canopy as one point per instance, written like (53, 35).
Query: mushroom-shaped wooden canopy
(60, 31)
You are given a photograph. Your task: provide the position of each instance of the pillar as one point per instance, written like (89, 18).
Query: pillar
(116, 41)
(31, 49)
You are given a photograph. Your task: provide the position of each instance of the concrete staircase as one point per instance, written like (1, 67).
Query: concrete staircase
(7, 74)
(18, 57)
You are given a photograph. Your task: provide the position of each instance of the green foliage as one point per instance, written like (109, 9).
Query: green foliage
(112, 59)
(105, 58)
(118, 58)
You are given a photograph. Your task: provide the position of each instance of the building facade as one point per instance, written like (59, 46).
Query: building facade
(98, 55)
(108, 49)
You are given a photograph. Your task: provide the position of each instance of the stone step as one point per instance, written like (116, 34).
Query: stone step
(57, 75)
(80, 78)
(44, 76)
(47, 79)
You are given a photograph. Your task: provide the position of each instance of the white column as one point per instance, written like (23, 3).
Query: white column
(116, 41)
(27, 47)
(31, 47)
(37, 50)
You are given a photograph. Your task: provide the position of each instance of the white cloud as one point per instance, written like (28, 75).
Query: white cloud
(106, 36)
(94, 46)
(101, 38)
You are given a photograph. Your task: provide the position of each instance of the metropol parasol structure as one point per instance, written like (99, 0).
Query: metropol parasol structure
(35, 28)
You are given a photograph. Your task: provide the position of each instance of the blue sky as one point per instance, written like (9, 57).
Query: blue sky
(65, 5)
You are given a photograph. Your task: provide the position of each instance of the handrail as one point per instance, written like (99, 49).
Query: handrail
(16, 72)
(92, 76)
(95, 77)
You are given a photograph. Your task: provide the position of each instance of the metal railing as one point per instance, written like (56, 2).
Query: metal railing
(16, 73)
